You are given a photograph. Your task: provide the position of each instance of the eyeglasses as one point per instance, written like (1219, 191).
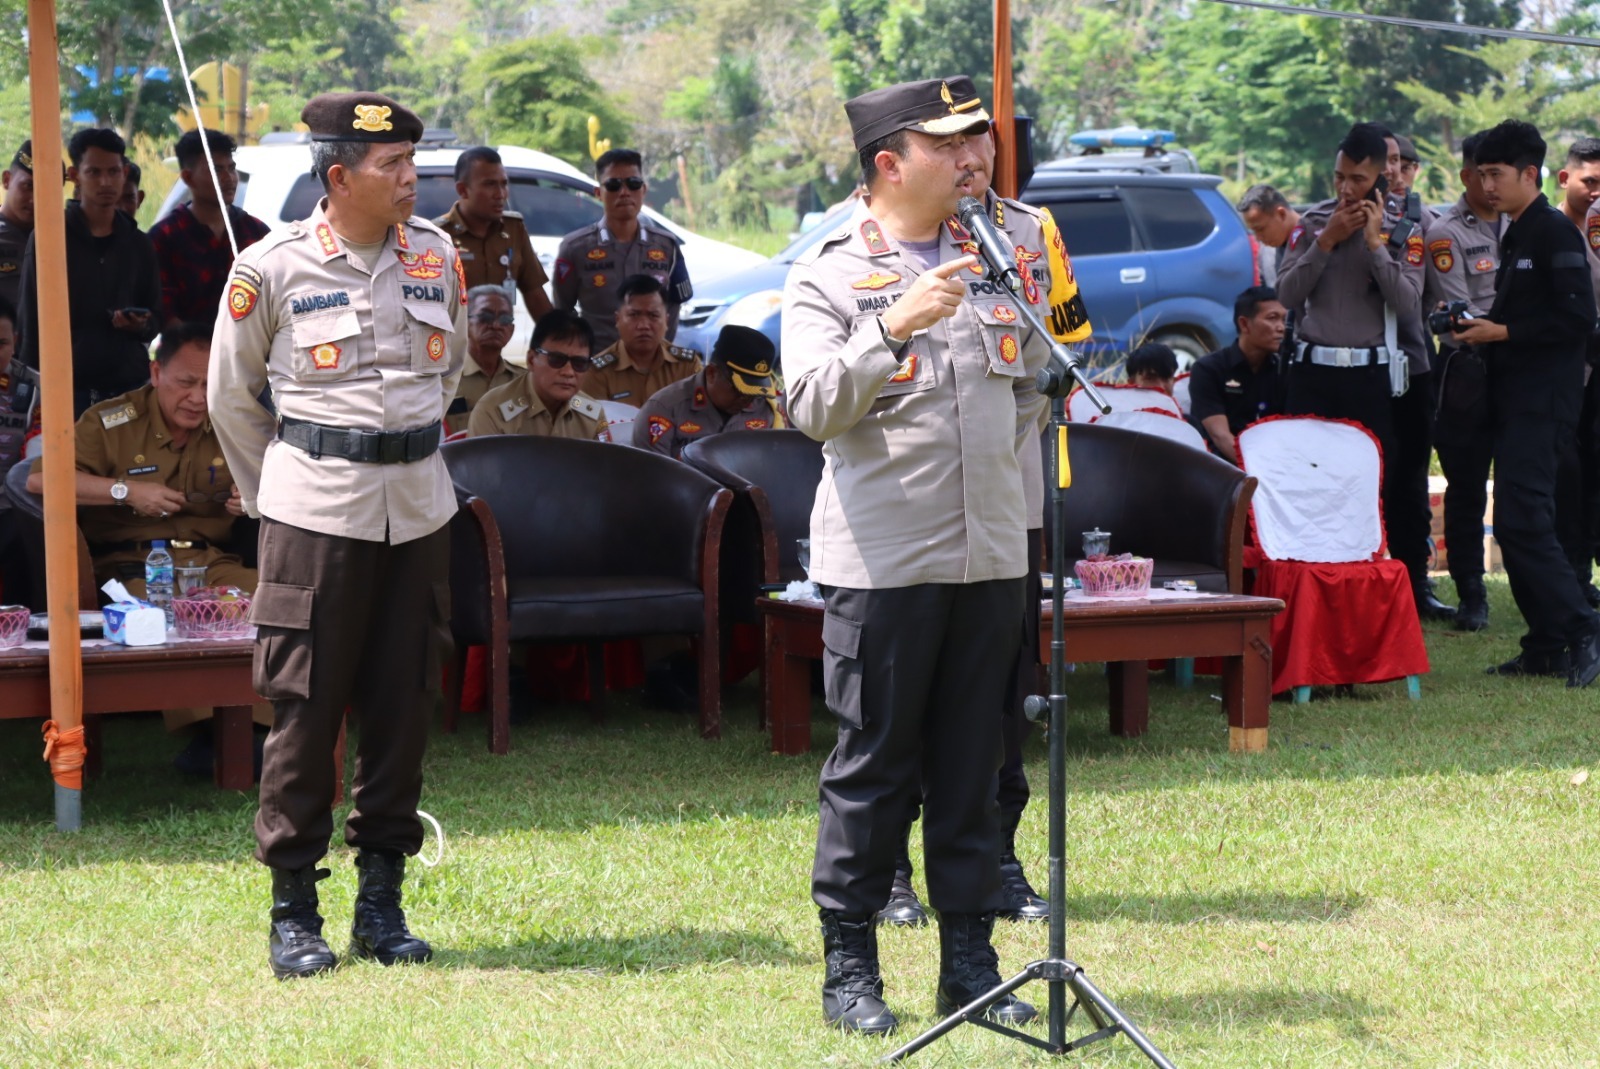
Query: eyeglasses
(504, 319)
(580, 364)
(612, 185)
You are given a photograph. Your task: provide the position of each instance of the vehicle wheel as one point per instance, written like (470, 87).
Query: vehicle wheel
(1187, 347)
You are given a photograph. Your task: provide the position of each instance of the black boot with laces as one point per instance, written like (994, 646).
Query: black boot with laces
(294, 942)
(969, 967)
(379, 929)
(852, 990)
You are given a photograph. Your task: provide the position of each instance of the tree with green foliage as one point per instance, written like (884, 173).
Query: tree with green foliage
(536, 92)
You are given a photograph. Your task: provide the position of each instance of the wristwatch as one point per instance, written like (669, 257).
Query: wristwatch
(894, 344)
(119, 492)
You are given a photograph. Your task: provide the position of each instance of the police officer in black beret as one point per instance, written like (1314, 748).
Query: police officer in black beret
(356, 320)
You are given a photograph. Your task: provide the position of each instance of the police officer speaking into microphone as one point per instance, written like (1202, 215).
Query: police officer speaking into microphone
(918, 391)
(1533, 341)
(356, 319)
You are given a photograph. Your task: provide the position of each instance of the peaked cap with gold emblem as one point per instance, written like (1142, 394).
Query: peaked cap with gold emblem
(748, 356)
(360, 117)
(937, 106)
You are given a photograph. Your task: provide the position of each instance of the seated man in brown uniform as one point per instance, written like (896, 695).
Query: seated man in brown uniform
(490, 323)
(150, 467)
(733, 392)
(545, 400)
(641, 362)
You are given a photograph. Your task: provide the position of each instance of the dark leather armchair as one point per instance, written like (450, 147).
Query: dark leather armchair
(774, 475)
(1183, 508)
(28, 508)
(578, 541)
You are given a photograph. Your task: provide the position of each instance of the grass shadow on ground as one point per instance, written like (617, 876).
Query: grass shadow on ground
(1206, 909)
(659, 951)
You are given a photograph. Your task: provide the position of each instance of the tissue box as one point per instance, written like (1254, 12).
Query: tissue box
(135, 623)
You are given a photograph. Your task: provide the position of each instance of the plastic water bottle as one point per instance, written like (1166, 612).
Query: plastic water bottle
(158, 578)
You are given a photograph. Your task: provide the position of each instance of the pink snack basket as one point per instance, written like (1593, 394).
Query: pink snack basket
(212, 612)
(1116, 577)
(13, 625)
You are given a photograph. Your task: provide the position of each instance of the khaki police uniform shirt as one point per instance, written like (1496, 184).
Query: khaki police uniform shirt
(615, 377)
(1463, 256)
(470, 390)
(683, 413)
(341, 345)
(127, 438)
(921, 480)
(1339, 297)
(590, 267)
(517, 408)
(503, 255)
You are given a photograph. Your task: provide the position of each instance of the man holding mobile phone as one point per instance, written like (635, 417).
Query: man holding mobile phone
(1348, 287)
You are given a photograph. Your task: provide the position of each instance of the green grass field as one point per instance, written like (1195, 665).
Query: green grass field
(1392, 884)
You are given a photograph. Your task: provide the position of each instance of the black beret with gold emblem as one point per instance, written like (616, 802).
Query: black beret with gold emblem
(23, 160)
(748, 355)
(937, 106)
(360, 117)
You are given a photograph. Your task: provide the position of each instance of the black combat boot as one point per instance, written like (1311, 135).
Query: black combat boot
(852, 990)
(1534, 664)
(903, 908)
(1022, 901)
(1430, 607)
(379, 929)
(294, 943)
(1473, 612)
(969, 967)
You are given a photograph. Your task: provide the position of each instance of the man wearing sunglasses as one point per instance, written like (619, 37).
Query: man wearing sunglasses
(546, 400)
(490, 323)
(593, 262)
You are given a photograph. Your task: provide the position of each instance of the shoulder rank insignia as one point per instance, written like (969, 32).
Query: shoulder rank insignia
(1443, 258)
(509, 214)
(659, 425)
(400, 238)
(116, 417)
(605, 359)
(373, 118)
(999, 212)
(875, 281)
(958, 233)
(586, 406)
(461, 280)
(678, 352)
(510, 410)
(872, 234)
(241, 298)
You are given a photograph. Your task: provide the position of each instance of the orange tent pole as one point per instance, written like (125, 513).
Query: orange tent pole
(1005, 105)
(64, 733)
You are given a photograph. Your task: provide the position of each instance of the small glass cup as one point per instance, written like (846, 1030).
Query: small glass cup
(188, 578)
(1096, 543)
(804, 553)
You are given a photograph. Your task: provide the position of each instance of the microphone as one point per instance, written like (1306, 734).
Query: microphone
(996, 254)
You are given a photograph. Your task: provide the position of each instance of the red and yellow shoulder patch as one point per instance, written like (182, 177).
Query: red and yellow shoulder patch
(1414, 249)
(1443, 254)
(659, 425)
(1594, 231)
(242, 299)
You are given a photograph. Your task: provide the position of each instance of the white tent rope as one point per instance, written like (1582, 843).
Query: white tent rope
(205, 142)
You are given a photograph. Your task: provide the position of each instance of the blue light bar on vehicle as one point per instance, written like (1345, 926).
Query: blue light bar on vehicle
(1122, 137)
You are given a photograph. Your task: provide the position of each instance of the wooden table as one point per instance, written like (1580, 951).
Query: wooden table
(126, 679)
(1125, 634)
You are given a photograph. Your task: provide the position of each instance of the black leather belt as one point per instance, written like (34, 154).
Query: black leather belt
(101, 548)
(364, 447)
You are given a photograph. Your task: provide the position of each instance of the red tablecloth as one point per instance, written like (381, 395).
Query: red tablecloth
(1342, 623)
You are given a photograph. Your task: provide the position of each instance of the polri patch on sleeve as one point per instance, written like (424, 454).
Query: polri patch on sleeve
(242, 297)
(1414, 249)
(659, 425)
(1443, 255)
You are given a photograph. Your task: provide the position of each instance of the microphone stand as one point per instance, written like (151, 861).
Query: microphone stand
(1063, 975)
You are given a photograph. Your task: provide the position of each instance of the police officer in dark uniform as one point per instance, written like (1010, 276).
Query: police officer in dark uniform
(16, 222)
(1534, 339)
(356, 320)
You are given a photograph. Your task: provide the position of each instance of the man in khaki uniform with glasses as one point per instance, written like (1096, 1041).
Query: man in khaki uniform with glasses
(355, 319)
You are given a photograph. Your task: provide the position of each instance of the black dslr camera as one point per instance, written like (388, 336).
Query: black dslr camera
(1449, 319)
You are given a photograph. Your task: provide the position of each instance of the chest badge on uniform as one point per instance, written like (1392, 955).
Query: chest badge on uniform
(1030, 285)
(138, 458)
(658, 255)
(241, 299)
(755, 424)
(436, 347)
(970, 248)
(1004, 314)
(325, 357)
(1484, 264)
(1008, 348)
(426, 264)
(875, 281)
(1443, 258)
(908, 370)
(599, 280)
(659, 425)
(596, 254)
(689, 426)
(1414, 250)
(872, 234)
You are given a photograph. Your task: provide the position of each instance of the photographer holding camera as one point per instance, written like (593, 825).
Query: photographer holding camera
(1533, 340)
(1463, 257)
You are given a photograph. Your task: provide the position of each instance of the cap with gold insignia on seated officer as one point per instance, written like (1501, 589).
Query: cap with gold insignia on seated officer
(936, 106)
(360, 117)
(748, 356)
(23, 160)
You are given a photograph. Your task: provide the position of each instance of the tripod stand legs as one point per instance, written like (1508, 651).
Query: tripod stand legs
(1065, 978)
